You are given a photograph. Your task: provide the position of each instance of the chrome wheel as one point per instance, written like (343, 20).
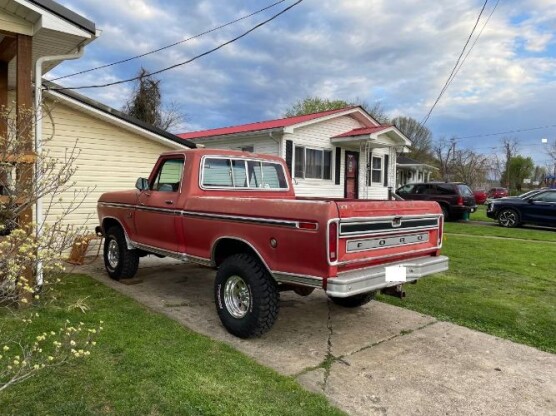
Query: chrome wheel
(237, 297)
(508, 218)
(113, 254)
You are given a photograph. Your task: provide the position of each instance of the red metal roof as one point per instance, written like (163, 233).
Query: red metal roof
(362, 131)
(261, 125)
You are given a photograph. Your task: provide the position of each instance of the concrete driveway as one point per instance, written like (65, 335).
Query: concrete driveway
(375, 360)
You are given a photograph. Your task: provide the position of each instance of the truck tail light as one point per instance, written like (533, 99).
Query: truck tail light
(440, 230)
(460, 200)
(333, 241)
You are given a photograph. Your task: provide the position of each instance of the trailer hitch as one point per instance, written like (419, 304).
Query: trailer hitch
(396, 291)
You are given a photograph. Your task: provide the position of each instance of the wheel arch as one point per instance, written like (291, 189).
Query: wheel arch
(227, 246)
(109, 222)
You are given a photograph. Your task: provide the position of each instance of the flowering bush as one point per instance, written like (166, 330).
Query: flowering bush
(28, 250)
(19, 362)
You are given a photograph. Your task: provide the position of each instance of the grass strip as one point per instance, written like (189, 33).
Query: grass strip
(145, 363)
(503, 287)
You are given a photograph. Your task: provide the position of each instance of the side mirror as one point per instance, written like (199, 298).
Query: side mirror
(142, 184)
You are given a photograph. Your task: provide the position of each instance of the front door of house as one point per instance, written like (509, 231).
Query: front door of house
(351, 175)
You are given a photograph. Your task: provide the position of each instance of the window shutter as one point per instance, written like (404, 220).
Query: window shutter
(386, 160)
(289, 153)
(338, 164)
(370, 168)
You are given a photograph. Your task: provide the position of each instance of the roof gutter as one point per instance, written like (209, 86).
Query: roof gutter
(39, 215)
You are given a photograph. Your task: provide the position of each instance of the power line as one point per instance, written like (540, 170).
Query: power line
(475, 41)
(445, 87)
(109, 84)
(171, 45)
(548, 126)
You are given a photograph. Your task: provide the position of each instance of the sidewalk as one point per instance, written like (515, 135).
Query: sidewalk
(375, 360)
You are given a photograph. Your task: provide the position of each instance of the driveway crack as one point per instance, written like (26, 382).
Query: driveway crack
(402, 333)
(329, 359)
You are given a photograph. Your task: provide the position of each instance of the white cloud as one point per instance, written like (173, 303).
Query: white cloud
(400, 53)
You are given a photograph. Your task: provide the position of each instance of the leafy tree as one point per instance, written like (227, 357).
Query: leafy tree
(420, 136)
(145, 104)
(510, 147)
(519, 168)
(315, 104)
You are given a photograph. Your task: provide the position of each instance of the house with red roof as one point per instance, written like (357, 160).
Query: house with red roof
(342, 153)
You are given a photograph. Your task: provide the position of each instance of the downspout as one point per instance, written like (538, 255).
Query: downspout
(39, 216)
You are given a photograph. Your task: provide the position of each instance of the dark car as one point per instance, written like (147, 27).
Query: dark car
(497, 193)
(537, 208)
(480, 196)
(454, 198)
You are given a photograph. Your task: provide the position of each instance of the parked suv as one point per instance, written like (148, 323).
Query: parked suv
(454, 198)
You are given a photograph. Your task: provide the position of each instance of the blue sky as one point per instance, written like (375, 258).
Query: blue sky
(398, 53)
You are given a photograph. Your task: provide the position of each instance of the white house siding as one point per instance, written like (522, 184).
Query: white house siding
(261, 144)
(110, 159)
(317, 136)
(376, 190)
(15, 24)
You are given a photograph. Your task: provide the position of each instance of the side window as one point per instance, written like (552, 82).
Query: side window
(241, 173)
(218, 172)
(545, 197)
(168, 177)
(420, 189)
(406, 189)
(445, 189)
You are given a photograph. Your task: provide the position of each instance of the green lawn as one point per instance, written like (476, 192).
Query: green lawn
(500, 286)
(146, 364)
(480, 214)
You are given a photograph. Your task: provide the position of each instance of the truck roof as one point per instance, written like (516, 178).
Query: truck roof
(223, 152)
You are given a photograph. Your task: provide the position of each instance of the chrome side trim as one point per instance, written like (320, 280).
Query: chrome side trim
(228, 237)
(238, 218)
(162, 252)
(200, 260)
(174, 254)
(304, 280)
(374, 278)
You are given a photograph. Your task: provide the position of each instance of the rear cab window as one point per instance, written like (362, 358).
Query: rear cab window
(240, 173)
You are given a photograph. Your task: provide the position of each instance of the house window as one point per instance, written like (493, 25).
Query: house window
(313, 163)
(375, 173)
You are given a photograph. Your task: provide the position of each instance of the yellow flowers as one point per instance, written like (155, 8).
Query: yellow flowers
(5, 348)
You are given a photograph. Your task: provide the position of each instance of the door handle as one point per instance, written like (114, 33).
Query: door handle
(169, 202)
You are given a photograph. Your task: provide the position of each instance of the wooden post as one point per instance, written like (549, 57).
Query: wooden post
(3, 121)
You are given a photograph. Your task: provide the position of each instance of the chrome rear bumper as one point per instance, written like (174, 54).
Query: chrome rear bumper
(374, 278)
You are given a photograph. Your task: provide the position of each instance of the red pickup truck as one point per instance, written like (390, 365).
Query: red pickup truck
(237, 212)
